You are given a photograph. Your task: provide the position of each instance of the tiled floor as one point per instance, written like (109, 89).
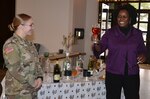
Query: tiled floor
(145, 83)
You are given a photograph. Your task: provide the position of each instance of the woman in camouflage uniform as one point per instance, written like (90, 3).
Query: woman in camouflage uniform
(24, 74)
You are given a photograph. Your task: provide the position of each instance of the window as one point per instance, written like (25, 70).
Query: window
(143, 20)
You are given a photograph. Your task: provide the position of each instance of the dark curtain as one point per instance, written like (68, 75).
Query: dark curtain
(7, 10)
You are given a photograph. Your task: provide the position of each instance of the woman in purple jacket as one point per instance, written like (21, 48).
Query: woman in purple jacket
(126, 50)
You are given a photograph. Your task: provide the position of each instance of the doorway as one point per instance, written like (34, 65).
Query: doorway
(7, 9)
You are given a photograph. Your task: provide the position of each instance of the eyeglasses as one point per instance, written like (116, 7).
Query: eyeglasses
(28, 25)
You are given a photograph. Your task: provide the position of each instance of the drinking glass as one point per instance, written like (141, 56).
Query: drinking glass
(95, 33)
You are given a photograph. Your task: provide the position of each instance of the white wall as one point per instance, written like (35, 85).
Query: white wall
(52, 19)
(55, 18)
(91, 18)
(79, 18)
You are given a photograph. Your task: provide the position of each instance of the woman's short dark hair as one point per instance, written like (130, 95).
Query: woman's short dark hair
(130, 9)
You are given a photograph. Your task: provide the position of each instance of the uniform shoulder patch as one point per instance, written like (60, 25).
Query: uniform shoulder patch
(9, 50)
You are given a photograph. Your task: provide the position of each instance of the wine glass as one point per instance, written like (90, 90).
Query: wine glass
(95, 33)
(74, 74)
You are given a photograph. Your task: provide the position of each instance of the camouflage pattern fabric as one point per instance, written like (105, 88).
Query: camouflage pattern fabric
(27, 96)
(21, 59)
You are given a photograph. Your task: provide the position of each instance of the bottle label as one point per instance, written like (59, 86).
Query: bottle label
(79, 63)
(91, 72)
(68, 66)
(56, 77)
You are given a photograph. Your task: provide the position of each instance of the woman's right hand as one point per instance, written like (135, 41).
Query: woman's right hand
(141, 58)
(96, 47)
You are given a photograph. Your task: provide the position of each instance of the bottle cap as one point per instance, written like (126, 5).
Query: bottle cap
(67, 73)
(86, 73)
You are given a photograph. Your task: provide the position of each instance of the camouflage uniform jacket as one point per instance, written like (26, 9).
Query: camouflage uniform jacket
(21, 59)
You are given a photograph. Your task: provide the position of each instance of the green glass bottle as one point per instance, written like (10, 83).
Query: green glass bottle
(91, 65)
(79, 63)
(56, 73)
(67, 66)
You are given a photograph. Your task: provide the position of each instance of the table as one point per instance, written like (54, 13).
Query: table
(94, 89)
(62, 56)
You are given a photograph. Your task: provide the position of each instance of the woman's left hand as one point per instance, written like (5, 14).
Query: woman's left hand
(38, 83)
(141, 58)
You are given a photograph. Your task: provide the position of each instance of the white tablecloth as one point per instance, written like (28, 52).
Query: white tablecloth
(74, 90)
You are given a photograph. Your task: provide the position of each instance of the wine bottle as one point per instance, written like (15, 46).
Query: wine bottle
(46, 63)
(56, 73)
(67, 66)
(79, 64)
(46, 67)
(91, 66)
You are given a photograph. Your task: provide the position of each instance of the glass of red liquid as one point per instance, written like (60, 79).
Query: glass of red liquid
(95, 33)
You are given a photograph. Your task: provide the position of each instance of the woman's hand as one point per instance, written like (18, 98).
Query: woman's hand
(141, 58)
(96, 47)
(38, 83)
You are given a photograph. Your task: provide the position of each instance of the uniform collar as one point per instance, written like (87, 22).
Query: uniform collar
(22, 40)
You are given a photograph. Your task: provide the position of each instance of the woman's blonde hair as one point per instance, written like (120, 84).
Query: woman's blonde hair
(19, 19)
